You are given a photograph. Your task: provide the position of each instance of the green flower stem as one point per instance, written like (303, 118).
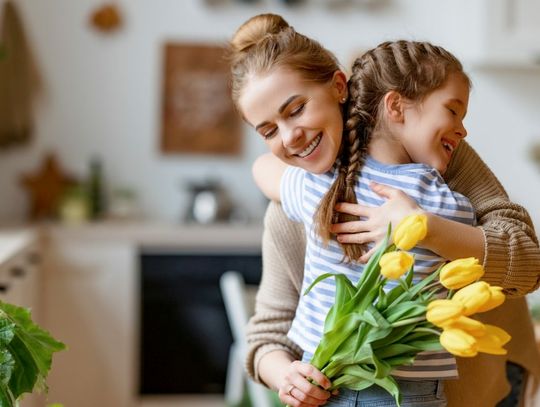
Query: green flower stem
(407, 321)
(430, 330)
(430, 286)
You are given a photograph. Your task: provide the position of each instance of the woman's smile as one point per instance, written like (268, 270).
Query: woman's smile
(311, 147)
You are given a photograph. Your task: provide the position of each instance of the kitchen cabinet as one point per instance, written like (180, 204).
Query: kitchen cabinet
(89, 288)
(20, 274)
(91, 296)
(512, 33)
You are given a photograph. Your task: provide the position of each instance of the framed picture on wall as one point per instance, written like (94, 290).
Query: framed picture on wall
(198, 116)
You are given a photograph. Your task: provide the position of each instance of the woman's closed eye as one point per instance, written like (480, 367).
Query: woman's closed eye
(452, 111)
(297, 110)
(268, 134)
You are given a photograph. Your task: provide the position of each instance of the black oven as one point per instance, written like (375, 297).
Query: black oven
(184, 335)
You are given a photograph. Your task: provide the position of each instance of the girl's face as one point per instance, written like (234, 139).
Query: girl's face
(300, 121)
(434, 127)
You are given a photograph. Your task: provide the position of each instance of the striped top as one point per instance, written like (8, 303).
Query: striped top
(301, 193)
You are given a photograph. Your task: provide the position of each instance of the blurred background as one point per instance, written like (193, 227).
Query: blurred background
(123, 162)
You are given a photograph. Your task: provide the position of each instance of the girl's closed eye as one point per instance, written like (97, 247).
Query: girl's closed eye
(452, 111)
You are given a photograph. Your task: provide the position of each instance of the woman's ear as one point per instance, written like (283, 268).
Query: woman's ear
(394, 106)
(339, 82)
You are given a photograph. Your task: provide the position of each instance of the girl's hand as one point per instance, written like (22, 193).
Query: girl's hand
(374, 220)
(296, 390)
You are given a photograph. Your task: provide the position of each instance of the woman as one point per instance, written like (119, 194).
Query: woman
(507, 246)
(511, 260)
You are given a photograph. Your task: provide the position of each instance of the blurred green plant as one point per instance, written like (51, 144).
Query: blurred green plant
(25, 354)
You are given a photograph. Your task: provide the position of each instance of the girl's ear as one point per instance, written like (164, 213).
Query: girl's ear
(394, 106)
(339, 82)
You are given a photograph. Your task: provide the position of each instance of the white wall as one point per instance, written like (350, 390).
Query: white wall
(103, 92)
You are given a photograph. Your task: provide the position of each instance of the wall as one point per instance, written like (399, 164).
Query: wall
(103, 92)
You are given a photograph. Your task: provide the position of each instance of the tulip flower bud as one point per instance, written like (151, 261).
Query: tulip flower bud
(410, 231)
(493, 340)
(497, 298)
(444, 312)
(469, 325)
(473, 297)
(461, 272)
(458, 342)
(502, 336)
(395, 264)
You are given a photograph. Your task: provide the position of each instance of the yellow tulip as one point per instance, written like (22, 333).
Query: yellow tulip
(502, 336)
(493, 340)
(461, 272)
(469, 325)
(458, 342)
(410, 231)
(487, 344)
(473, 297)
(497, 298)
(395, 264)
(443, 312)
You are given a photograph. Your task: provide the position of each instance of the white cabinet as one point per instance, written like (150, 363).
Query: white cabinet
(512, 33)
(20, 282)
(89, 289)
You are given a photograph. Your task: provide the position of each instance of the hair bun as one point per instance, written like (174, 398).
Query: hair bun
(255, 29)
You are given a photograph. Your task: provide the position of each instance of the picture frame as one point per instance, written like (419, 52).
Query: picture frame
(198, 116)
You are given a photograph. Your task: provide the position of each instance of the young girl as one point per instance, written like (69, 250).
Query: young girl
(410, 100)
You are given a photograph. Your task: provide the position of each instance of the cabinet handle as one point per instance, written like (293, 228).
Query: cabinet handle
(17, 272)
(34, 258)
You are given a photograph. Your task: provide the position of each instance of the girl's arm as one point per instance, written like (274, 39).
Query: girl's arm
(511, 252)
(267, 171)
(504, 240)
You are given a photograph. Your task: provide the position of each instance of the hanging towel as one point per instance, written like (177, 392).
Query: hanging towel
(19, 81)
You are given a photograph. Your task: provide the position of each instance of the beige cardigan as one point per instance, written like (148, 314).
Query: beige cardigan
(512, 261)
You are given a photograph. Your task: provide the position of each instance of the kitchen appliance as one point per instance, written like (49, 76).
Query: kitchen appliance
(209, 202)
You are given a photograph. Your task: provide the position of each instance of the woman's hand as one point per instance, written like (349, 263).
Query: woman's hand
(374, 221)
(296, 390)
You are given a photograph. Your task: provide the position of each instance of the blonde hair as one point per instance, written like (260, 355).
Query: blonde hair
(267, 42)
(413, 69)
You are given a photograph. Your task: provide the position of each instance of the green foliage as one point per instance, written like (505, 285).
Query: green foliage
(25, 354)
(368, 332)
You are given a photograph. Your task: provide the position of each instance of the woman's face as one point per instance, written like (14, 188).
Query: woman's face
(300, 121)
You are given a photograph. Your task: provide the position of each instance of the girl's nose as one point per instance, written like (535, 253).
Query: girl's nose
(461, 131)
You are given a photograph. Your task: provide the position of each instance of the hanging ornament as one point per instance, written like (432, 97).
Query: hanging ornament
(106, 18)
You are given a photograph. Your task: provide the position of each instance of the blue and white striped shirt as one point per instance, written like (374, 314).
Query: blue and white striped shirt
(301, 193)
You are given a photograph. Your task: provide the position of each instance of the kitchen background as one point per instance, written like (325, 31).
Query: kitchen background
(101, 109)
(102, 92)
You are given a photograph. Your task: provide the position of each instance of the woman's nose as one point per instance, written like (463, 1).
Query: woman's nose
(292, 137)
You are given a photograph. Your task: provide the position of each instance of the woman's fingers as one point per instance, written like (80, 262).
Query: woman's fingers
(297, 389)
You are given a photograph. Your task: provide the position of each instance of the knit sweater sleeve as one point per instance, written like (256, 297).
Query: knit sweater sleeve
(512, 255)
(283, 248)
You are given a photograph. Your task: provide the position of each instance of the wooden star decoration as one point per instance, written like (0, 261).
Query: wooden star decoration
(45, 188)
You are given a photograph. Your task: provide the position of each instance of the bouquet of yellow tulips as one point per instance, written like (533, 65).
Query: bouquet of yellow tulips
(370, 331)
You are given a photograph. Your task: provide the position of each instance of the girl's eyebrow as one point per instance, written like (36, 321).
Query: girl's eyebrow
(280, 110)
